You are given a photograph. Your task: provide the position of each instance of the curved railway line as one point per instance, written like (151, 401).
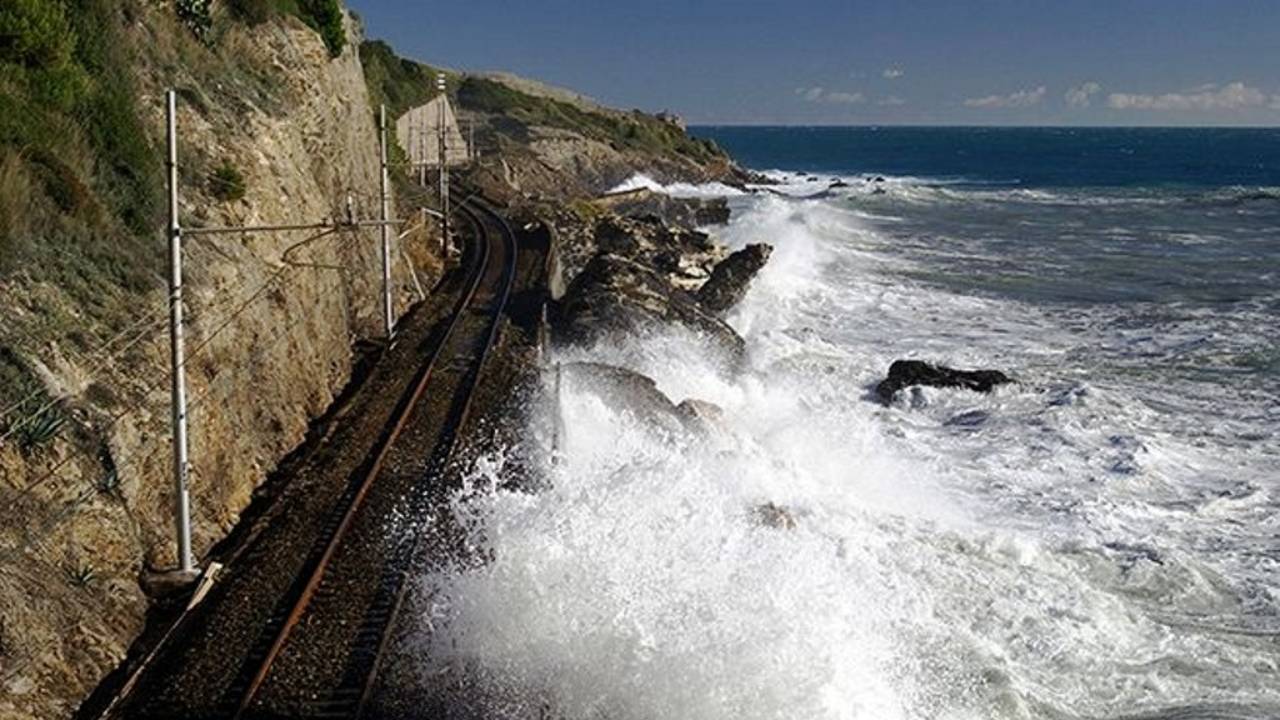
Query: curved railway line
(320, 650)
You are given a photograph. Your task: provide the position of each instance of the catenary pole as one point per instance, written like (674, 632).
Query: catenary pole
(178, 396)
(386, 229)
(444, 164)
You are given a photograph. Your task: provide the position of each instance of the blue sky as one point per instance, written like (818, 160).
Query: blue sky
(1026, 62)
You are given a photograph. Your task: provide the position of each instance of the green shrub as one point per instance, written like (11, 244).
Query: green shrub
(88, 232)
(197, 16)
(253, 12)
(398, 83)
(35, 33)
(227, 183)
(62, 183)
(325, 16)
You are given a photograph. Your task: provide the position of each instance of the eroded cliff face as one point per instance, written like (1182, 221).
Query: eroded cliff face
(272, 321)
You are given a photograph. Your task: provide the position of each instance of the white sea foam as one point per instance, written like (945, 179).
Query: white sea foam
(689, 190)
(1060, 548)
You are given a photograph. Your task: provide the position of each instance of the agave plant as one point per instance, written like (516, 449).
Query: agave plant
(81, 574)
(40, 430)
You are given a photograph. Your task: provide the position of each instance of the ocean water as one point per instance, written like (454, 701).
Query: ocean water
(1099, 540)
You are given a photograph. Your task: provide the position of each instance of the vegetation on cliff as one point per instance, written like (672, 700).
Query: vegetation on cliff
(633, 130)
(510, 118)
(79, 188)
(399, 83)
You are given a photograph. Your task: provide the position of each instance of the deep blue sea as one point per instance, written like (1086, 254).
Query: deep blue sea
(1021, 157)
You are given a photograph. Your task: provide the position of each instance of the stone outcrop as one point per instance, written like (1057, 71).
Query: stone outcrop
(615, 295)
(625, 390)
(731, 278)
(906, 373)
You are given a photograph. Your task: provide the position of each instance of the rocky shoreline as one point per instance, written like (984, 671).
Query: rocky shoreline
(646, 262)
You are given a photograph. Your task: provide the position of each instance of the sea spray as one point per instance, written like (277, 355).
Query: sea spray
(1037, 560)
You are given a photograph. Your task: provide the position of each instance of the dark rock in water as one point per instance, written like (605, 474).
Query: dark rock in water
(970, 419)
(1133, 552)
(775, 516)
(731, 278)
(838, 184)
(879, 191)
(905, 373)
(878, 179)
(614, 296)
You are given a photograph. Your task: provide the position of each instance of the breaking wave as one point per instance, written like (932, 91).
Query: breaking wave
(1097, 541)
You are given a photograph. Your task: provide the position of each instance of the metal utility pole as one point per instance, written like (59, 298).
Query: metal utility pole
(177, 361)
(386, 228)
(444, 165)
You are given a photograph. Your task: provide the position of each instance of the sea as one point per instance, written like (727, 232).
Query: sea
(1100, 539)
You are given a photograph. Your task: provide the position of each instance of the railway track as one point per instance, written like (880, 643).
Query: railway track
(319, 651)
(325, 652)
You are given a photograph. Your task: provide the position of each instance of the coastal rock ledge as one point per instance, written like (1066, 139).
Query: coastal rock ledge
(731, 278)
(614, 295)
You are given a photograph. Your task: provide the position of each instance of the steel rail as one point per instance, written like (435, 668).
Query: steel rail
(508, 238)
(335, 541)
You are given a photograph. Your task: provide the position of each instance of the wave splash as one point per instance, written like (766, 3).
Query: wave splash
(1021, 566)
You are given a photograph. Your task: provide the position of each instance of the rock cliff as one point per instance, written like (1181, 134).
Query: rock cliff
(272, 321)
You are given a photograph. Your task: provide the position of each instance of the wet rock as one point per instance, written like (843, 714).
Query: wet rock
(614, 296)
(701, 416)
(625, 390)
(731, 278)
(837, 183)
(774, 516)
(907, 373)
(686, 256)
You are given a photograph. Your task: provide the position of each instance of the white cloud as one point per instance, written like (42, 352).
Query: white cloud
(892, 101)
(818, 94)
(893, 73)
(812, 94)
(844, 97)
(1235, 96)
(1082, 96)
(1275, 102)
(1020, 99)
